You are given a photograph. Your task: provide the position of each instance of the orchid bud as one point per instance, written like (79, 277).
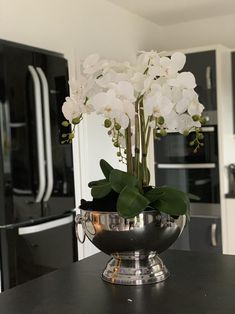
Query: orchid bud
(160, 120)
(117, 126)
(71, 136)
(107, 123)
(203, 120)
(65, 123)
(76, 120)
(186, 132)
(195, 118)
(163, 132)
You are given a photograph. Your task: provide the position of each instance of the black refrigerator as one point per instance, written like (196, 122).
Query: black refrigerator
(37, 204)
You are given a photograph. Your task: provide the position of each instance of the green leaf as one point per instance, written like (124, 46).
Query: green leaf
(130, 202)
(98, 182)
(106, 168)
(119, 179)
(171, 201)
(100, 191)
(154, 194)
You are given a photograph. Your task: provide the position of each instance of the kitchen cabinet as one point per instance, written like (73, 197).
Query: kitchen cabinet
(202, 234)
(212, 69)
(203, 65)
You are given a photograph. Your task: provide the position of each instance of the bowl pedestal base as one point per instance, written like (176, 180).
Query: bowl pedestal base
(134, 268)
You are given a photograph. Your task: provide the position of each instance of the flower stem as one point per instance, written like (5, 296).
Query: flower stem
(128, 149)
(148, 132)
(143, 145)
(137, 142)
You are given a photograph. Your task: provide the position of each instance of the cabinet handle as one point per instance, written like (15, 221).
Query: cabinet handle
(186, 166)
(208, 77)
(213, 234)
(45, 226)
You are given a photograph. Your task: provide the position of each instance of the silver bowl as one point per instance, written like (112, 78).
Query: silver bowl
(134, 244)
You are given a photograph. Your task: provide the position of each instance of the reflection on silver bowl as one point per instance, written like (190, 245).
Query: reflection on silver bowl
(133, 243)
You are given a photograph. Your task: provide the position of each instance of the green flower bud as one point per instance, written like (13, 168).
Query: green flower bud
(115, 144)
(202, 120)
(161, 120)
(200, 136)
(117, 126)
(195, 117)
(107, 123)
(191, 143)
(109, 132)
(64, 135)
(163, 132)
(71, 136)
(186, 132)
(118, 154)
(76, 120)
(65, 123)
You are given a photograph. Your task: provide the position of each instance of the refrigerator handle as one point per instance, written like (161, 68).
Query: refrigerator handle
(45, 226)
(47, 128)
(5, 132)
(39, 127)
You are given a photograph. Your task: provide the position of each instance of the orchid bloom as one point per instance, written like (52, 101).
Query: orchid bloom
(135, 97)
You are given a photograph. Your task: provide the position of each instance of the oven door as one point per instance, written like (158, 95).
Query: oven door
(175, 148)
(199, 179)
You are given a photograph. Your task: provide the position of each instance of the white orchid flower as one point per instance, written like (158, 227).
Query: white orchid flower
(91, 64)
(189, 102)
(157, 105)
(79, 91)
(116, 104)
(195, 108)
(171, 121)
(148, 57)
(186, 123)
(71, 109)
(183, 80)
(168, 67)
(124, 90)
(107, 103)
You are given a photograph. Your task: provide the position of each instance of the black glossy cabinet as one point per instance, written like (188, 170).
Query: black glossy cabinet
(201, 234)
(203, 65)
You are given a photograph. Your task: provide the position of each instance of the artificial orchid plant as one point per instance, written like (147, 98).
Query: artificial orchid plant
(135, 100)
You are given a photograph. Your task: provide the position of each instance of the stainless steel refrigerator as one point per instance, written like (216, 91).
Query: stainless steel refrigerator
(36, 170)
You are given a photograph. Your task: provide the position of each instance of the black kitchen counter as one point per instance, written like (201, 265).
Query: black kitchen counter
(199, 283)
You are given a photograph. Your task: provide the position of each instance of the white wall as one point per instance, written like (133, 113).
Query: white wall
(78, 28)
(218, 30)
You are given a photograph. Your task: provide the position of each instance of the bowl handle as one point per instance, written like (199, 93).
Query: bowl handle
(79, 220)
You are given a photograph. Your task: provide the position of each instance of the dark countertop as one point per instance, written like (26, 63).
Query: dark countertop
(199, 283)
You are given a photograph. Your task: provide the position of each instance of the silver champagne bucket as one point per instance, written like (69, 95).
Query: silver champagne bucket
(134, 244)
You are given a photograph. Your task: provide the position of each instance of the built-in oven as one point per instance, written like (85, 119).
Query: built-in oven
(177, 165)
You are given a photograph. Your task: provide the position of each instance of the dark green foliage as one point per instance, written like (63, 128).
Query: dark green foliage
(130, 200)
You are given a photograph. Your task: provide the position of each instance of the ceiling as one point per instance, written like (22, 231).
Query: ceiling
(167, 12)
